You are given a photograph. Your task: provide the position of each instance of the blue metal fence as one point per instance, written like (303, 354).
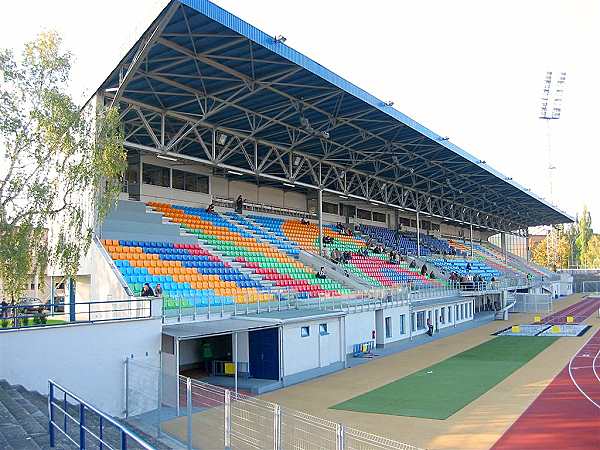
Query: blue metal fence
(84, 425)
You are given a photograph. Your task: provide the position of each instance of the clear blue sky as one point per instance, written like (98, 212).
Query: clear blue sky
(467, 69)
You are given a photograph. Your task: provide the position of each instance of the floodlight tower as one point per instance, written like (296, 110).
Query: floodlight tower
(550, 109)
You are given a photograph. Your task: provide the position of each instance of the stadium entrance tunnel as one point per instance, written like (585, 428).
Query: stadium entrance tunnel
(230, 353)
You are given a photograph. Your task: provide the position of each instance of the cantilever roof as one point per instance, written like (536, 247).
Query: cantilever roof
(199, 68)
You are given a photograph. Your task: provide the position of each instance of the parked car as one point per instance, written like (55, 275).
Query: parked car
(31, 304)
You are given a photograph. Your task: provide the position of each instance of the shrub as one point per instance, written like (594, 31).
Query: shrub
(4, 323)
(25, 321)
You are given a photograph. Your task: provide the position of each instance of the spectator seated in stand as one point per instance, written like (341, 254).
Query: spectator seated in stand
(303, 221)
(321, 273)
(210, 208)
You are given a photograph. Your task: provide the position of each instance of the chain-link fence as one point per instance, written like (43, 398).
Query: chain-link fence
(203, 416)
(532, 303)
(590, 287)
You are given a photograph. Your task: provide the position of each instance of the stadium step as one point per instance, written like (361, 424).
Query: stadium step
(24, 423)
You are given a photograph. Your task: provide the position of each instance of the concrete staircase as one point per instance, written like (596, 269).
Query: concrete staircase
(24, 423)
(132, 220)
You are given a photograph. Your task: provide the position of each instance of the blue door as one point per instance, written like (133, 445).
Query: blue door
(264, 354)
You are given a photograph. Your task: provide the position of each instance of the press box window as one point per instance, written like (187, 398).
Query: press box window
(304, 331)
(156, 175)
(323, 329)
(330, 208)
(379, 217)
(363, 214)
(192, 182)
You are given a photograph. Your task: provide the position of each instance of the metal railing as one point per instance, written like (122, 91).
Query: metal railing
(84, 425)
(189, 307)
(178, 308)
(202, 415)
(15, 316)
(264, 208)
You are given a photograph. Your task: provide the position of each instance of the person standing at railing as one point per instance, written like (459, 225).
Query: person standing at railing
(158, 290)
(4, 309)
(239, 204)
(147, 291)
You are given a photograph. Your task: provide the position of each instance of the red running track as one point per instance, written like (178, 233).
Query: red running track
(580, 311)
(566, 415)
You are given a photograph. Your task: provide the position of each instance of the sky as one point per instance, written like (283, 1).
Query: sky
(468, 69)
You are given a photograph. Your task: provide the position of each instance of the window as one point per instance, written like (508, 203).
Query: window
(470, 309)
(192, 182)
(413, 322)
(449, 314)
(330, 208)
(304, 331)
(363, 214)
(443, 315)
(323, 329)
(402, 324)
(379, 217)
(455, 313)
(156, 175)
(388, 327)
(462, 311)
(404, 221)
(421, 320)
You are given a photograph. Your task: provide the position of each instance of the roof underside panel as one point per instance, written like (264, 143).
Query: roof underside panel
(198, 68)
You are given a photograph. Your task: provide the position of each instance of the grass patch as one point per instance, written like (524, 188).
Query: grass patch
(440, 390)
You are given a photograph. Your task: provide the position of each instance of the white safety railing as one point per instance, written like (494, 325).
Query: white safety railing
(201, 415)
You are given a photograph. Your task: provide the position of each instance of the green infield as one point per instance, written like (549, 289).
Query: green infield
(440, 390)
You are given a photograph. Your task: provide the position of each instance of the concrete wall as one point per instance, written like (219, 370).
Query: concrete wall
(359, 327)
(306, 353)
(87, 359)
(394, 318)
(96, 279)
(231, 188)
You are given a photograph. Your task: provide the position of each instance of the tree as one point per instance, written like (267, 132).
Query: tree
(584, 232)
(591, 257)
(539, 253)
(60, 165)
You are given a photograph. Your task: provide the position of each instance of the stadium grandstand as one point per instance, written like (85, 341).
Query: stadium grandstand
(291, 222)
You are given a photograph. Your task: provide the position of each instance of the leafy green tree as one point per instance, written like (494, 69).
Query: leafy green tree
(60, 165)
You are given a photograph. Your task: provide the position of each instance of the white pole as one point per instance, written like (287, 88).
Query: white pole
(235, 361)
(418, 235)
(320, 210)
(471, 238)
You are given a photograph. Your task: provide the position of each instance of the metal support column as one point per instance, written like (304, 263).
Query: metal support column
(418, 235)
(471, 237)
(503, 245)
(235, 362)
(320, 211)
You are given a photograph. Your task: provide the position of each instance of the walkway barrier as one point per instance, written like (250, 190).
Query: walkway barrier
(84, 425)
(188, 307)
(45, 314)
(201, 415)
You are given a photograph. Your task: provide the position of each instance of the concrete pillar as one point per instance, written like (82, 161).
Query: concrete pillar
(320, 212)
(503, 245)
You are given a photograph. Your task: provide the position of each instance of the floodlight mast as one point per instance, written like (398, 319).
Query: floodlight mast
(550, 109)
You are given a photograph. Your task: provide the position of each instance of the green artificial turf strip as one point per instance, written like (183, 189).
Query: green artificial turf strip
(453, 383)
